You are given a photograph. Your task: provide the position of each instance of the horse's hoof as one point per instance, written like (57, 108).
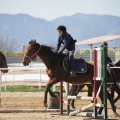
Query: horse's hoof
(92, 101)
(45, 106)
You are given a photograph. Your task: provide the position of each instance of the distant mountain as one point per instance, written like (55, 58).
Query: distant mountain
(23, 27)
(83, 26)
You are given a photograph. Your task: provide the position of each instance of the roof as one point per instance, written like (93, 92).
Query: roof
(98, 40)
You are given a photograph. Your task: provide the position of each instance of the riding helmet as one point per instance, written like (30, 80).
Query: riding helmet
(62, 28)
(104, 44)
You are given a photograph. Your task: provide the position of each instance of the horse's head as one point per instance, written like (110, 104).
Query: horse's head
(3, 62)
(31, 52)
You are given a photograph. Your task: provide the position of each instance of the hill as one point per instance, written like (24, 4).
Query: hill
(22, 27)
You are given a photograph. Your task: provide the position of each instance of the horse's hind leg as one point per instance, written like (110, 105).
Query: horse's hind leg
(72, 92)
(112, 94)
(90, 89)
(77, 89)
(112, 91)
(117, 98)
(115, 90)
(111, 102)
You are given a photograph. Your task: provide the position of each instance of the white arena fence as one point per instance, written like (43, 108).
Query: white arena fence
(30, 76)
(24, 76)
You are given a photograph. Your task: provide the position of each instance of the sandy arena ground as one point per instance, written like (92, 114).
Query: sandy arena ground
(25, 100)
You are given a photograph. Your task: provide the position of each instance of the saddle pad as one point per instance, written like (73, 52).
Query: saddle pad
(80, 65)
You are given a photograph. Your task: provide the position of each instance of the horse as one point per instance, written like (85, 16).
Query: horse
(116, 74)
(75, 89)
(56, 71)
(3, 62)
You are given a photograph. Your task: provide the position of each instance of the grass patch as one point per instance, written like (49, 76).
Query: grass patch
(22, 88)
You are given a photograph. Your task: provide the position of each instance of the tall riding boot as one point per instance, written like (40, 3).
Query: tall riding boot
(71, 57)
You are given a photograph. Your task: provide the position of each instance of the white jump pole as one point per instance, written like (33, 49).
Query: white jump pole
(80, 97)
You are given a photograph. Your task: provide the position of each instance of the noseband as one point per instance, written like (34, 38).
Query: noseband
(33, 54)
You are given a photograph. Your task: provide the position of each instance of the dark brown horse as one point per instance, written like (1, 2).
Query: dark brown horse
(75, 89)
(3, 62)
(117, 75)
(55, 70)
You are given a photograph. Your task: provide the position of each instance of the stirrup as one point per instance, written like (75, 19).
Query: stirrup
(72, 73)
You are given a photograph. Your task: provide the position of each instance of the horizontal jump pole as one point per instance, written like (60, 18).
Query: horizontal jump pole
(88, 114)
(28, 110)
(115, 67)
(23, 69)
(80, 97)
(81, 109)
(85, 108)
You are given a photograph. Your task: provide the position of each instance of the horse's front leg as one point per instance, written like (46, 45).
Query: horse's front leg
(49, 85)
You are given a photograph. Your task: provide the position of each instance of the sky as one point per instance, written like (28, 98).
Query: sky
(51, 9)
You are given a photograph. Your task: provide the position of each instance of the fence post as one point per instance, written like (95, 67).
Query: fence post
(54, 88)
(40, 79)
(13, 76)
(95, 82)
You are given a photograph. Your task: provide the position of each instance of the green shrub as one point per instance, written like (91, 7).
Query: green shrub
(13, 54)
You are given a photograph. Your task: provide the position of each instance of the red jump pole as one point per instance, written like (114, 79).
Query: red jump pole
(61, 98)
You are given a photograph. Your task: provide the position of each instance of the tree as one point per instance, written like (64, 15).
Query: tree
(8, 45)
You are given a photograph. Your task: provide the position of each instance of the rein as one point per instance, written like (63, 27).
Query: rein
(33, 54)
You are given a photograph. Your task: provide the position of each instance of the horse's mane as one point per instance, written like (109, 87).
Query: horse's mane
(49, 48)
(52, 51)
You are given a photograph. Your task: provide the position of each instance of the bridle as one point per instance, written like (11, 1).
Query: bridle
(35, 54)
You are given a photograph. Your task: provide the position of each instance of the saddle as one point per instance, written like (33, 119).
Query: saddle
(79, 67)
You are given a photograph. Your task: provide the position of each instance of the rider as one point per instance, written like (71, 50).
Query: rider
(69, 44)
(109, 61)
